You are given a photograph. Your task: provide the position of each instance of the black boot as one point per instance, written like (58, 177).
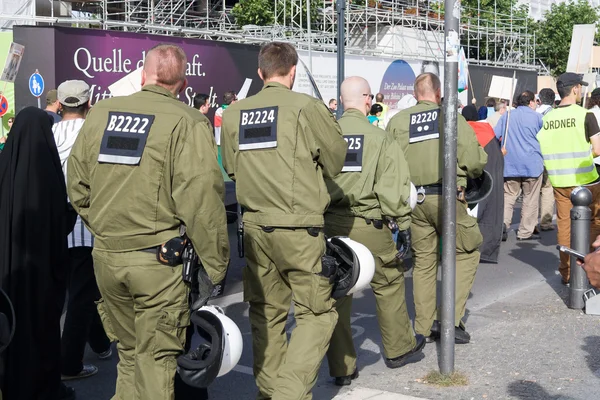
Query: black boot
(346, 380)
(461, 336)
(404, 359)
(66, 392)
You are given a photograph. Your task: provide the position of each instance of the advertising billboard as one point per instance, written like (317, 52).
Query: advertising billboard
(102, 58)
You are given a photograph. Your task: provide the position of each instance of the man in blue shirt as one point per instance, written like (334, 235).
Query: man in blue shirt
(523, 163)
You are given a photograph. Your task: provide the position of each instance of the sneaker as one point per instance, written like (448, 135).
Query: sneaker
(105, 355)
(547, 228)
(565, 283)
(532, 237)
(87, 371)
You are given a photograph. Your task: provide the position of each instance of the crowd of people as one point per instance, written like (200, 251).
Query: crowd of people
(119, 197)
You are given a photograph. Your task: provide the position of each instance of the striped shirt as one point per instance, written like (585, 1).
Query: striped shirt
(65, 133)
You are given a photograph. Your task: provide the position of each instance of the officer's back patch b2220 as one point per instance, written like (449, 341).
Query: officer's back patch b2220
(258, 128)
(354, 154)
(125, 138)
(424, 125)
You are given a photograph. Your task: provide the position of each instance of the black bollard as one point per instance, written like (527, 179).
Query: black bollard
(581, 216)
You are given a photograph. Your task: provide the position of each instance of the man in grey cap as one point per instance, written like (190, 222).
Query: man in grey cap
(53, 105)
(82, 323)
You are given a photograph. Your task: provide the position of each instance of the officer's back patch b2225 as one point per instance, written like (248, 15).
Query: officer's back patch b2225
(424, 125)
(354, 154)
(125, 138)
(258, 128)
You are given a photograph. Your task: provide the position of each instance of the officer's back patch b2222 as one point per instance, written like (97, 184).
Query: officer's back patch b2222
(424, 125)
(258, 128)
(354, 154)
(125, 138)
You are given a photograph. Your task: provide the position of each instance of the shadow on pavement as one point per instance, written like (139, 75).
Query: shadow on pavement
(546, 263)
(592, 358)
(528, 390)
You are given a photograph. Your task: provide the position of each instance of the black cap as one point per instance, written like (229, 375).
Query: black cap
(596, 92)
(570, 79)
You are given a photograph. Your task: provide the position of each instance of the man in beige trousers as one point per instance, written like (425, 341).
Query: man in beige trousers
(523, 163)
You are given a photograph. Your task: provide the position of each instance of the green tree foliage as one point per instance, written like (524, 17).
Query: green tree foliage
(262, 12)
(254, 12)
(555, 31)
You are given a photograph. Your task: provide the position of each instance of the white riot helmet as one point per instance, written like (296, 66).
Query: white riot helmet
(355, 265)
(201, 366)
(412, 200)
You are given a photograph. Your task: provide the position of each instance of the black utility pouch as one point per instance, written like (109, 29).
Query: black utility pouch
(170, 253)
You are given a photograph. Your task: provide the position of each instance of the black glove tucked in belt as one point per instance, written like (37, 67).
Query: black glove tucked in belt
(403, 243)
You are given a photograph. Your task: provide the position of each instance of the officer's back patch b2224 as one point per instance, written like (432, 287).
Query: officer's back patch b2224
(125, 138)
(354, 154)
(424, 125)
(258, 128)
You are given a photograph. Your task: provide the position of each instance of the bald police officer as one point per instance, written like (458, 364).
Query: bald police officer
(278, 145)
(419, 130)
(369, 195)
(143, 166)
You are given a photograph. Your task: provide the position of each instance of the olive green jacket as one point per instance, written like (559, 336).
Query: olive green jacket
(382, 186)
(177, 181)
(424, 155)
(278, 145)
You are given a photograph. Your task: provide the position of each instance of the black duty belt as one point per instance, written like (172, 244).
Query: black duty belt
(432, 189)
(377, 223)
(436, 190)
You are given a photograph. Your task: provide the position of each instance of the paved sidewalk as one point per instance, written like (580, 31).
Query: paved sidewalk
(528, 346)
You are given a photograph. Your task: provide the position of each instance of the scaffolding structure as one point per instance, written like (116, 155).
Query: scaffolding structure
(393, 28)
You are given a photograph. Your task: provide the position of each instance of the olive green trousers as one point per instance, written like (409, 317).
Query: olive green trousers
(283, 268)
(426, 230)
(144, 307)
(387, 284)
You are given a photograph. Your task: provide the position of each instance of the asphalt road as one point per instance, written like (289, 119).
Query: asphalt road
(522, 265)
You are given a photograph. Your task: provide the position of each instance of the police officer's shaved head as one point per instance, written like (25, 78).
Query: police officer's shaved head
(165, 66)
(428, 87)
(277, 60)
(356, 93)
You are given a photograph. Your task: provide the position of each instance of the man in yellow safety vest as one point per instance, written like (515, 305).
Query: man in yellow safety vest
(569, 140)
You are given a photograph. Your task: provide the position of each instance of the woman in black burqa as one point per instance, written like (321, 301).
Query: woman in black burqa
(34, 223)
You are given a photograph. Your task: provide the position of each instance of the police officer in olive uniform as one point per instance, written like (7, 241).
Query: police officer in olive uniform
(143, 166)
(370, 195)
(278, 145)
(419, 130)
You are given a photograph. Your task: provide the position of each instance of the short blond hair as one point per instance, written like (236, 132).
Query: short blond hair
(166, 63)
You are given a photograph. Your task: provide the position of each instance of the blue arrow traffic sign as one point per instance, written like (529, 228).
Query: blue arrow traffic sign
(36, 84)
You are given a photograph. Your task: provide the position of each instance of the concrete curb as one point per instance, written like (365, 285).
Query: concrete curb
(371, 394)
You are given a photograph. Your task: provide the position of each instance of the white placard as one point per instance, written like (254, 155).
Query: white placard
(580, 53)
(13, 61)
(129, 84)
(500, 88)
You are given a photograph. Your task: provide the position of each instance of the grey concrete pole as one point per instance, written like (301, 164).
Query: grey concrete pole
(451, 18)
(341, 26)
(581, 216)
